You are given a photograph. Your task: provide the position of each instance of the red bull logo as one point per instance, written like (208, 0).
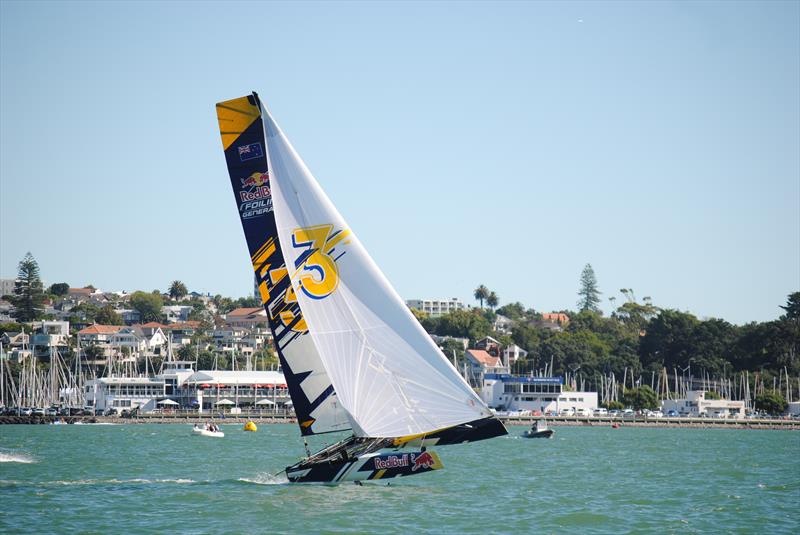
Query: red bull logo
(392, 461)
(256, 179)
(423, 460)
(256, 187)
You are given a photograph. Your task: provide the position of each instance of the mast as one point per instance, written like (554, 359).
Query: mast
(243, 140)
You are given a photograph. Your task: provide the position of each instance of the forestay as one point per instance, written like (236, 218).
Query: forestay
(390, 377)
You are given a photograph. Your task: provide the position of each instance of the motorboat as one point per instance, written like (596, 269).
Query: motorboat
(207, 431)
(539, 430)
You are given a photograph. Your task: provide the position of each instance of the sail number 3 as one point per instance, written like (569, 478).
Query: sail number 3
(317, 273)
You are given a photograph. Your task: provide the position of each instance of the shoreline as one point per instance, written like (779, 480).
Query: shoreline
(687, 423)
(556, 421)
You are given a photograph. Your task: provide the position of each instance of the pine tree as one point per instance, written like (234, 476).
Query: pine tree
(28, 297)
(792, 307)
(590, 295)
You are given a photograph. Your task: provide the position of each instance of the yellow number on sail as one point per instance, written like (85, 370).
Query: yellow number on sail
(318, 275)
(286, 313)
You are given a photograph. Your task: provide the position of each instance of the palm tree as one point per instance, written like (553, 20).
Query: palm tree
(481, 293)
(492, 300)
(177, 290)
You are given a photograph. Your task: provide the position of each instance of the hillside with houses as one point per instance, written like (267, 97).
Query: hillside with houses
(640, 345)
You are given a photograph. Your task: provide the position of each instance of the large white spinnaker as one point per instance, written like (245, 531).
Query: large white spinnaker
(389, 376)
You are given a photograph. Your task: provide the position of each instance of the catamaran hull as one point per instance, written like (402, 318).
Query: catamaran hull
(366, 467)
(480, 429)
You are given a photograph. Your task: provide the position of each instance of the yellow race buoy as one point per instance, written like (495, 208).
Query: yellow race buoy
(250, 426)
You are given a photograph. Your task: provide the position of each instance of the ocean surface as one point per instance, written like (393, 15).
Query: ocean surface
(159, 478)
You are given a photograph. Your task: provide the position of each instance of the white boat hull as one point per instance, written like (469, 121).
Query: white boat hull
(207, 433)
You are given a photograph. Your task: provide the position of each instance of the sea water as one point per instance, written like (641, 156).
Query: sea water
(160, 478)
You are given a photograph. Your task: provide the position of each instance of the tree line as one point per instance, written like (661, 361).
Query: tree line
(638, 337)
(29, 297)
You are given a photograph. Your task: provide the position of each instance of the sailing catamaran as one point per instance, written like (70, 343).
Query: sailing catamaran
(353, 355)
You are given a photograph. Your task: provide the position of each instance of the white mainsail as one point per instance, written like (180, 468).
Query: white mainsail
(390, 377)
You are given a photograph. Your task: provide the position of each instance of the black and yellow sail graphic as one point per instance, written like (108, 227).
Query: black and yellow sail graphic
(242, 131)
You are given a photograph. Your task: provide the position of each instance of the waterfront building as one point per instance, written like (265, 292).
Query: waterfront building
(124, 393)
(174, 373)
(146, 394)
(695, 405)
(436, 307)
(180, 386)
(208, 390)
(504, 392)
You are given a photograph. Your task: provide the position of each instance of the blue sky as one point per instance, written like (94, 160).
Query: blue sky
(505, 144)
